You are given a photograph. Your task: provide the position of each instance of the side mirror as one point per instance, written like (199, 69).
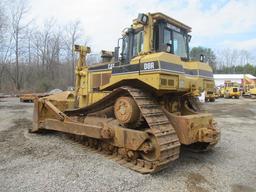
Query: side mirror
(167, 47)
(189, 38)
(202, 58)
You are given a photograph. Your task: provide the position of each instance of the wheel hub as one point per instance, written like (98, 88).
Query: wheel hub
(122, 110)
(126, 110)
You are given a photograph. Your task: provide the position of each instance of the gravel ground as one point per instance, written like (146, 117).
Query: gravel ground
(52, 162)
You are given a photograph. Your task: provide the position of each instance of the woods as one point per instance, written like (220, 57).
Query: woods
(230, 61)
(32, 57)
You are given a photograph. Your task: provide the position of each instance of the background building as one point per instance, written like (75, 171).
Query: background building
(239, 78)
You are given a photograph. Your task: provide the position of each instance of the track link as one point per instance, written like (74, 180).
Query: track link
(160, 127)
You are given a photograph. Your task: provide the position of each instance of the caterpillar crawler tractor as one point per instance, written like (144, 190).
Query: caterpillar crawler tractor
(231, 90)
(249, 88)
(138, 106)
(249, 91)
(210, 95)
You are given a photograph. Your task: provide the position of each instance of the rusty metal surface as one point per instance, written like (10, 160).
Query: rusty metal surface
(201, 128)
(30, 97)
(76, 128)
(145, 151)
(148, 149)
(96, 80)
(105, 78)
(100, 79)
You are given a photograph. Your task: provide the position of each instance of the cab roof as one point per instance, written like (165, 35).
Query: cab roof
(161, 16)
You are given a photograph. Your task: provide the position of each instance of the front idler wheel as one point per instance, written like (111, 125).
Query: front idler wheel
(150, 150)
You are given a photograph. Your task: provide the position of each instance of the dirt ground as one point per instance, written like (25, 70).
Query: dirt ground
(52, 162)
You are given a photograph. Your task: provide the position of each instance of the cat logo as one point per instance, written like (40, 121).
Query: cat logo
(111, 65)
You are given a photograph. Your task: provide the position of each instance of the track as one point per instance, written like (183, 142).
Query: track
(166, 143)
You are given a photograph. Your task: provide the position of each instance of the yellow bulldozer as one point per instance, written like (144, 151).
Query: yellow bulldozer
(249, 88)
(249, 91)
(210, 95)
(139, 105)
(231, 90)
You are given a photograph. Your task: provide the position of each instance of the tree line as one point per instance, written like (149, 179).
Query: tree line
(36, 58)
(226, 61)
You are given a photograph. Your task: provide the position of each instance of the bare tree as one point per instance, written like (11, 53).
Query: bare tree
(3, 26)
(73, 34)
(41, 40)
(31, 57)
(18, 14)
(29, 33)
(233, 57)
(53, 53)
(244, 57)
(2, 21)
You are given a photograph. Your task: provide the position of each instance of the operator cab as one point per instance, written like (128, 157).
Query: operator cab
(166, 35)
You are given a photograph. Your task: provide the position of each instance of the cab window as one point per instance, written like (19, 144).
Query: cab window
(167, 36)
(179, 44)
(124, 53)
(137, 43)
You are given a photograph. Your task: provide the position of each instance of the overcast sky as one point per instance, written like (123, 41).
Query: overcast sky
(215, 23)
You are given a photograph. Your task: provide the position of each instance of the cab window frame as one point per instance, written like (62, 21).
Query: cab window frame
(186, 42)
(171, 38)
(160, 45)
(140, 33)
(129, 37)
